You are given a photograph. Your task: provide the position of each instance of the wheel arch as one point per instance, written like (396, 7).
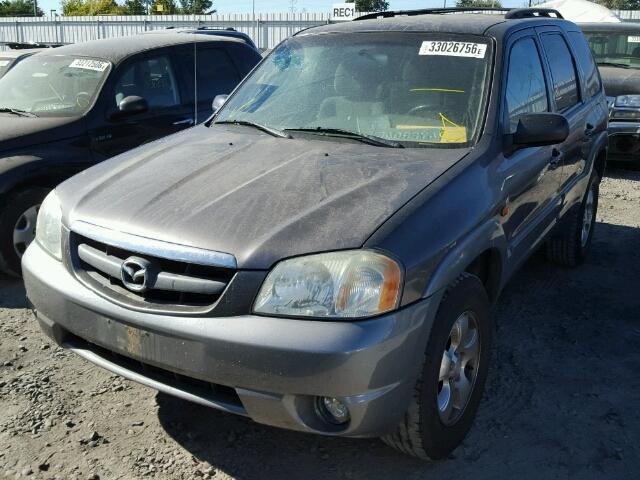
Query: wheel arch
(482, 253)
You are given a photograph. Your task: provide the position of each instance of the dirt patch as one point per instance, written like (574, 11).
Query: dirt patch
(562, 400)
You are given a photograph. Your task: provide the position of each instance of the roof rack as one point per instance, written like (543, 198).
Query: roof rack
(510, 13)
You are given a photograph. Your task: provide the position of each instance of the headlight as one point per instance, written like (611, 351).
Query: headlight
(49, 226)
(626, 114)
(628, 101)
(348, 284)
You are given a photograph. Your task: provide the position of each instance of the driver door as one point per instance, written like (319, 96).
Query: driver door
(152, 77)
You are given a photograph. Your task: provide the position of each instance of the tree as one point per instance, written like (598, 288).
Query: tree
(478, 4)
(19, 8)
(134, 7)
(620, 4)
(91, 7)
(370, 5)
(195, 7)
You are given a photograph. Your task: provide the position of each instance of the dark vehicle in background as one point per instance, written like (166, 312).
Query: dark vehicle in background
(322, 255)
(66, 109)
(222, 32)
(616, 47)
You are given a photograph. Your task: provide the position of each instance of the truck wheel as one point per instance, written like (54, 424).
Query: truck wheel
(569, 246)
(18, 226)
(450, 385)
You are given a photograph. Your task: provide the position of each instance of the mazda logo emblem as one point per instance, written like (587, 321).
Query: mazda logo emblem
(134, 273)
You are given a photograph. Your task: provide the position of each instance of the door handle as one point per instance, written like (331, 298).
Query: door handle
(589, 130)
(186, 121)
(556, 159)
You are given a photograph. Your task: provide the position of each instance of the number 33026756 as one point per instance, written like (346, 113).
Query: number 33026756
(453, 49)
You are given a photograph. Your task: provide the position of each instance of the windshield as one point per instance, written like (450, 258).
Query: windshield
(53, 85)
(413, 89)
(615, 48)
(5, 63)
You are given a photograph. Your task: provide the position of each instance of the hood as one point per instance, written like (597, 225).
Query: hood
(19, 132)
(255, 196)
(620, 81)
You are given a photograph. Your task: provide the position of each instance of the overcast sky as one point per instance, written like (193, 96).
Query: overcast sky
(268, 6)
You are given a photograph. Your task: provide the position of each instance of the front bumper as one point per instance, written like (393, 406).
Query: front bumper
(624, 141)
(270, 369)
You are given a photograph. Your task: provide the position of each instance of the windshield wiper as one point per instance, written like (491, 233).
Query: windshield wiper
(16, 111)
(339, 132)
(614, 64)
(271, 131)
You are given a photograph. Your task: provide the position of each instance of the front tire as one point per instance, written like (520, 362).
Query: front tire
(570, 246)
(450, 386)
(18, 226)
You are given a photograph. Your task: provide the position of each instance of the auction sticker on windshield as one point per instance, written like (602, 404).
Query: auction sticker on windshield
(87, 64)
(453, 49)
(4, 63)
(633, 39)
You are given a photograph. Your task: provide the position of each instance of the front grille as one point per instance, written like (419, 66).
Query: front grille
(172, 286)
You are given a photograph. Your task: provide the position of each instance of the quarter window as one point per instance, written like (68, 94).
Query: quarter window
(526, 90)
(563, 71)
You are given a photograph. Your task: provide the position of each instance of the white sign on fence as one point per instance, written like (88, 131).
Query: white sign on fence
(341, 12)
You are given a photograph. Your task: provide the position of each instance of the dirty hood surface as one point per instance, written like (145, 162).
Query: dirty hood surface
(235, 190)
(620, 81)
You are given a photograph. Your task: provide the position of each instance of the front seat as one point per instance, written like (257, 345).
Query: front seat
(355, 106)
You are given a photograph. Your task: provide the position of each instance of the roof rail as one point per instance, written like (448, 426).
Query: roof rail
(510, 13)
(28, 45)
(533, 12)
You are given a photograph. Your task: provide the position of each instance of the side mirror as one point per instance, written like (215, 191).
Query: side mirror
(218, 102)
(538, 129)
(130, 106)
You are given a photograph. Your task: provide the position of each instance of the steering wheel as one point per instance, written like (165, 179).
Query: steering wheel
(83, 99)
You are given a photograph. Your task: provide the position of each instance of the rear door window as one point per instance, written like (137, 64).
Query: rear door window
(586, 62)
(526, 88)
(563, 71)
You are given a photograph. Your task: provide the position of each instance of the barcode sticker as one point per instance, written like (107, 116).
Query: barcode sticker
(4, 63)
(87, 64)
(453, 49)
(633, 39)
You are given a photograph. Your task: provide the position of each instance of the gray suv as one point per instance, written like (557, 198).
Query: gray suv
(323, 254)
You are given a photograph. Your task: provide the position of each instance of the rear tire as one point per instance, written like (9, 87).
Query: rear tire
(569, 247)
(432, 427)
(18, 226)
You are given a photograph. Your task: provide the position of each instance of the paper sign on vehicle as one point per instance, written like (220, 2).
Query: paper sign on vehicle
(87, 64)
(4, 63)
(453, 49)
(341, 12)
(633, 39)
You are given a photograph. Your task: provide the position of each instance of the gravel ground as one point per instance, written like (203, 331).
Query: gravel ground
(561, 401)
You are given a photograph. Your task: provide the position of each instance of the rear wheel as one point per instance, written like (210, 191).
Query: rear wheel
(18, 226)
(569, 247)
(449, 389)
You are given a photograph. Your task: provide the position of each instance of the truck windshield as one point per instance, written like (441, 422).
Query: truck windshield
(613, 48)
(408, 88)
(53, 85)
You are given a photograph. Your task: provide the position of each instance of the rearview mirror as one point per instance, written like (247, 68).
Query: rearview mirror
(129, 106)
(538, 129)
(218, 102)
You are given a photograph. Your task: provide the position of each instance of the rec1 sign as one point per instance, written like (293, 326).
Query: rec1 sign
(341, 12)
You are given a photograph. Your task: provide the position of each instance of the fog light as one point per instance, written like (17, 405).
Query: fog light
(333, 410)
